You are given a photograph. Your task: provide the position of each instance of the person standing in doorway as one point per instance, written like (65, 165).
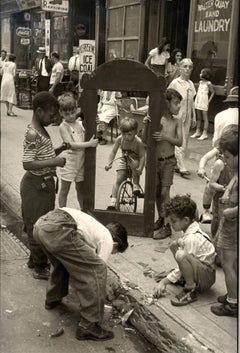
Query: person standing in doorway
(44, 67)
(187, 114)
(158, 58)
(56, 76)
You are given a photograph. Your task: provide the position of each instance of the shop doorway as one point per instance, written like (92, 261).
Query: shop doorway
(20, 39)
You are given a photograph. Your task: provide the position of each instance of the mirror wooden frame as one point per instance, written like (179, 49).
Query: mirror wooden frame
(123, 75)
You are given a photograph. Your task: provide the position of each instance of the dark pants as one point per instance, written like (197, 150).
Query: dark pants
(43, 83)
(71, 256)
(38, 198)
(58, 90)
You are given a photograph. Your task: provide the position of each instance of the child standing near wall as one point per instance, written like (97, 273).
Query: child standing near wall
(37, 187)
(227, 242)
(202, 101)
(73, 132)
(168, 136)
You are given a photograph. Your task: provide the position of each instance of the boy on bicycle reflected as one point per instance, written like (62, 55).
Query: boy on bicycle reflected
(133, 157)
(168, 136)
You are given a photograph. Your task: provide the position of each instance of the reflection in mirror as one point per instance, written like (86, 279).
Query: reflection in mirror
(127, 198)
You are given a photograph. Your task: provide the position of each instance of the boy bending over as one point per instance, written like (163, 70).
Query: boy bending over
(193, 252)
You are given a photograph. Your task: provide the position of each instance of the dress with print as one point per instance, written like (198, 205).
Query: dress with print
(201, 100)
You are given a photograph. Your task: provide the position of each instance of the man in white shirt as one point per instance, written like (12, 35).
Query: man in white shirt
(74, 67)
(226, 117)
(78, 246)
(56, 76)
(43, 67)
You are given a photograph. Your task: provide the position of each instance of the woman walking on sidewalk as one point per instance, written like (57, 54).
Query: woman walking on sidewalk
(37, 187)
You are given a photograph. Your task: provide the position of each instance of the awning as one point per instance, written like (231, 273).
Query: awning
(9, 7)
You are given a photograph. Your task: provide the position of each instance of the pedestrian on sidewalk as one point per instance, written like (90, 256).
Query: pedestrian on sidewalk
(193, 252)
(227, 242)
(202, 101)
(187, 114)
(78, 247)
(37, 187)
(8, 90)
(168, 136)
(43, 66)
(56, 86)
(72, 131)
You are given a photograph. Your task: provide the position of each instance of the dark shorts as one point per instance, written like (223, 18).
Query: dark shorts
(165, 171)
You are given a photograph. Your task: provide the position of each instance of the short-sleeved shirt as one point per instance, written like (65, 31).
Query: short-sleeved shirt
(57, 68)
(40, 149)
(159, 59)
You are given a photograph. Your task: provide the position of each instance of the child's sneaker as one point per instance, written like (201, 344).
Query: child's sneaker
(136, 190)
(196, 134)
(185, 297)
(206, 217)
(204, 136)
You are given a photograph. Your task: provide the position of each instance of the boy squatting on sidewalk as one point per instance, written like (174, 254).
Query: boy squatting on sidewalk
(193, 252)
(168, 136)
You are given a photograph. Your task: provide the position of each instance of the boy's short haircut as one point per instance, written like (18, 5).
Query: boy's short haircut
(172, 93)
(181, 206)
(45, 100)
(66, 101)
(128, 124)
(119, 235)
(229, 140)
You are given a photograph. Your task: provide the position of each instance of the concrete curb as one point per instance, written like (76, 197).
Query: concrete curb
(142, 318)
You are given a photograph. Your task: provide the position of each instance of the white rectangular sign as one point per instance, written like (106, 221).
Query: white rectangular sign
(55, 5)
(86, 56)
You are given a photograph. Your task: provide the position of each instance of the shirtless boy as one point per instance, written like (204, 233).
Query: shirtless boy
(168, 136)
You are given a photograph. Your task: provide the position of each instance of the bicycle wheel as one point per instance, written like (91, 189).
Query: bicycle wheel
(126, 201)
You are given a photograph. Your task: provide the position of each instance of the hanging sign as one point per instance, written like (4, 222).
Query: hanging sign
(55, 5)
(24, 32)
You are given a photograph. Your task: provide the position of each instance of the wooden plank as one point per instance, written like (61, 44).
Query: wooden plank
(133, 222)
(123, 75)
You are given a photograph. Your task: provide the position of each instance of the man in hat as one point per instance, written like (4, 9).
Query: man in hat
(226, 117)
(44, 68)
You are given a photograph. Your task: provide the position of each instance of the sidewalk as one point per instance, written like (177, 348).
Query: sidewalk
(144, 256)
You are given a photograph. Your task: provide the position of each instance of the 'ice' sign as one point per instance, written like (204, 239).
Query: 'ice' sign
(86, 56)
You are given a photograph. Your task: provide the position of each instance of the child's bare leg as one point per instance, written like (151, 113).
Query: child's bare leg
(185, 264)
(63, 193)
(164, 197)
(80, 189)
(205, 121)
(229, 265)
(121, 176)
(207, 200)
(197, 133)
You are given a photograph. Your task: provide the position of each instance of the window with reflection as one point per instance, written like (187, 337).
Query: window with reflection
(211, 30)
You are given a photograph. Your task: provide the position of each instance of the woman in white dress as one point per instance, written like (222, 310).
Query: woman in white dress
(8, 91)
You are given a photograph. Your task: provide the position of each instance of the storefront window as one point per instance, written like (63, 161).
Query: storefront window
(211, 31)
(61, 36)
(123, 24)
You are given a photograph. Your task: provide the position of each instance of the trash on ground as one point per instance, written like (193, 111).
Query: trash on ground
(126, 316)
(57, 333)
